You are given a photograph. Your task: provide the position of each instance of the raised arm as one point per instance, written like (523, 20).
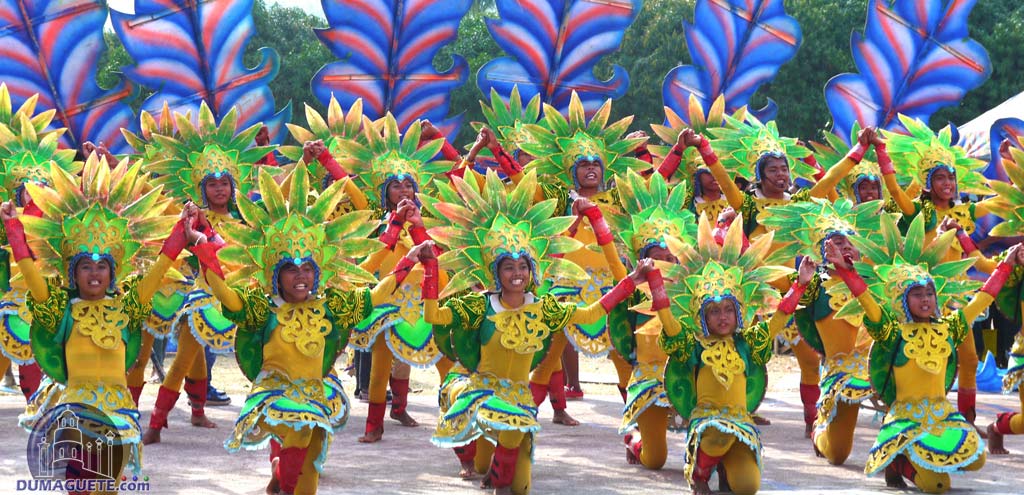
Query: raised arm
(621, 292)
(660, 304)
(844, 269)
(838, 172)
(792, 298)
(729, 189)
(172, 247)
(671, 162)
(983, 299)
(605, 239)
(967, 245)
(22, 254)
(433, 313)
(902, 199)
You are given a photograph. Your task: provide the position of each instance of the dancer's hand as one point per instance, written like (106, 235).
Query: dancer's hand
(422, 252)
(580, 205)
(866, 136)
(689, 137)
(8, 211)
(806, 271)
(835, 256)
(263, 136)
(1015, 255)
(877, 139)
(643, 267)
(428, 131)
(405, 206)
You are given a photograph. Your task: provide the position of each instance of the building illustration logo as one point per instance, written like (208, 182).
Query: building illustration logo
(74, 441)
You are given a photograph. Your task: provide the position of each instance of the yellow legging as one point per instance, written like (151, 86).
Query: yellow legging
(380, 370)
(509, 440)
(137, 374)
(623, 369)
(809, 361)
(933, 482)
(739, 461)
(552, 363)
(307, 438)
(967, 356)
(836, 442)
(653, 425)
(191, 360)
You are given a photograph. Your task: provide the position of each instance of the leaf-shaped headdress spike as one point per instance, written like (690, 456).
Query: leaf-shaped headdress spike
(481, 226)
(918, 154)
(338, 126)
(809, 224)
(28, 155)
(508, 119)
(735, 46)
(143, 144)
(709, 272)
(203, 151)
(9, 116)
(100, 214)
(741, 144)
(1010, 203)
(382, 154)
(903, 262)
(563, 142)
(834, 150)
(290, 228)
(652, 211)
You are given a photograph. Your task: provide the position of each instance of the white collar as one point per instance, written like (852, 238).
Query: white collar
(495, 299)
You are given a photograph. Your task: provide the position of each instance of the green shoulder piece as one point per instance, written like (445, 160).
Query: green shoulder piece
(622, 323)
(881, 361)
(5, 269)
(757, 385)
(1011, 296)
(680, 384)
(348, 308)
(255, 322)
(556, 316)
(555, 189)
(468, 311)
(137, 313)
(333, 345)
(51, 327)
(539, 355)
(804, 321)
(754, 346)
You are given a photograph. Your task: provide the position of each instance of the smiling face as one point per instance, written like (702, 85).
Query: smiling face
(295, 282)
(943, 185)
(720, 317)
(218, 192)
(921, 302)
(869, 190)
(514, 275)
(589, 174)
(775, 178)
(92, 278)
(399, 190)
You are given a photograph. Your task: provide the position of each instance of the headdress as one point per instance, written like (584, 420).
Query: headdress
(292, 228)
(104, 214)
(26, 155)
(743, 145)
(483, 226)
(338, 126)
(384, 155)
(9, 117)
(162, 125)
(809, 224)
(205, 151)
(902, 263)
(1010, 203)
(560, 143)
(509, 121)
(709, 272)
(652, 212)
(834, 150)
(917, 155)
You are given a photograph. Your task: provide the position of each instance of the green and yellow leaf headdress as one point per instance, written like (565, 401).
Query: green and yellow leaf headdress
(560, 143)
(103, 214)
(203, 151)
(509, 121)
(901, 263)
(290, 228)
(652, 212)
(338, 126)
(384, 156)
(834, 150)
(709, 272)
(1010, 203)
(482, 226)
(143, 144)
(741, 144)
(701, 121)
(26, 155)
(916, 155)
(9, 116)
(809, 224)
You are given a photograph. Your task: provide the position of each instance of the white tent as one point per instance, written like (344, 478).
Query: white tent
(975, 134)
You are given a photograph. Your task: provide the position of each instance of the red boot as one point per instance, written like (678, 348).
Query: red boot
(703, 466)
(399, 401)
(136, 393)
(466, 455)
(633, 449)
(503, 468)
(165, 400)
(809, 397)
(274, 485)
(540, 392)
(29, 376)
(289, 468)
(557, 389)
(374, 422)
(196, 392)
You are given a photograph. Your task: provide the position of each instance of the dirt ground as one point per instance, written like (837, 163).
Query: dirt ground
(586, 459)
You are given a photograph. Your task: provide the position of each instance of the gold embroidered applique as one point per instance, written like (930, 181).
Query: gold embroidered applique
(927, 344)
(101, 321)
(761, 204)
(304, 325)
(839, 296)
(522, 330)
(721, 356)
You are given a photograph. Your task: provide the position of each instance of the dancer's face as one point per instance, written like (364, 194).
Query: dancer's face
(524, 158)
(92, 278)
(921, 302)
(514, 275)
(294, 282)
(721, 318)
(399, 190)
(775, 177)
(845, 247)
(943, 185)
(658, 253)
(708, 184)
(218, 192)
(869, 190)
(589, 174)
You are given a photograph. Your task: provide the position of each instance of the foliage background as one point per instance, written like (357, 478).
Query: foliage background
(653, 45)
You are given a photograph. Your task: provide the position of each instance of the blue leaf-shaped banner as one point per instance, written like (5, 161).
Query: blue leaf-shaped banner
(386, 50)
(1011, 129)
(554, 46)
(914, 58)
(52, 48)
(189, 51)
(736, 46)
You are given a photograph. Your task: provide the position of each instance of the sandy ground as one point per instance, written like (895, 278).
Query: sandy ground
(586, 459)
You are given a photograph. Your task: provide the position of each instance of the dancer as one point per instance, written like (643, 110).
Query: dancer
(499, 241)
(95, 230)
(710, 376)
(294, 324)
